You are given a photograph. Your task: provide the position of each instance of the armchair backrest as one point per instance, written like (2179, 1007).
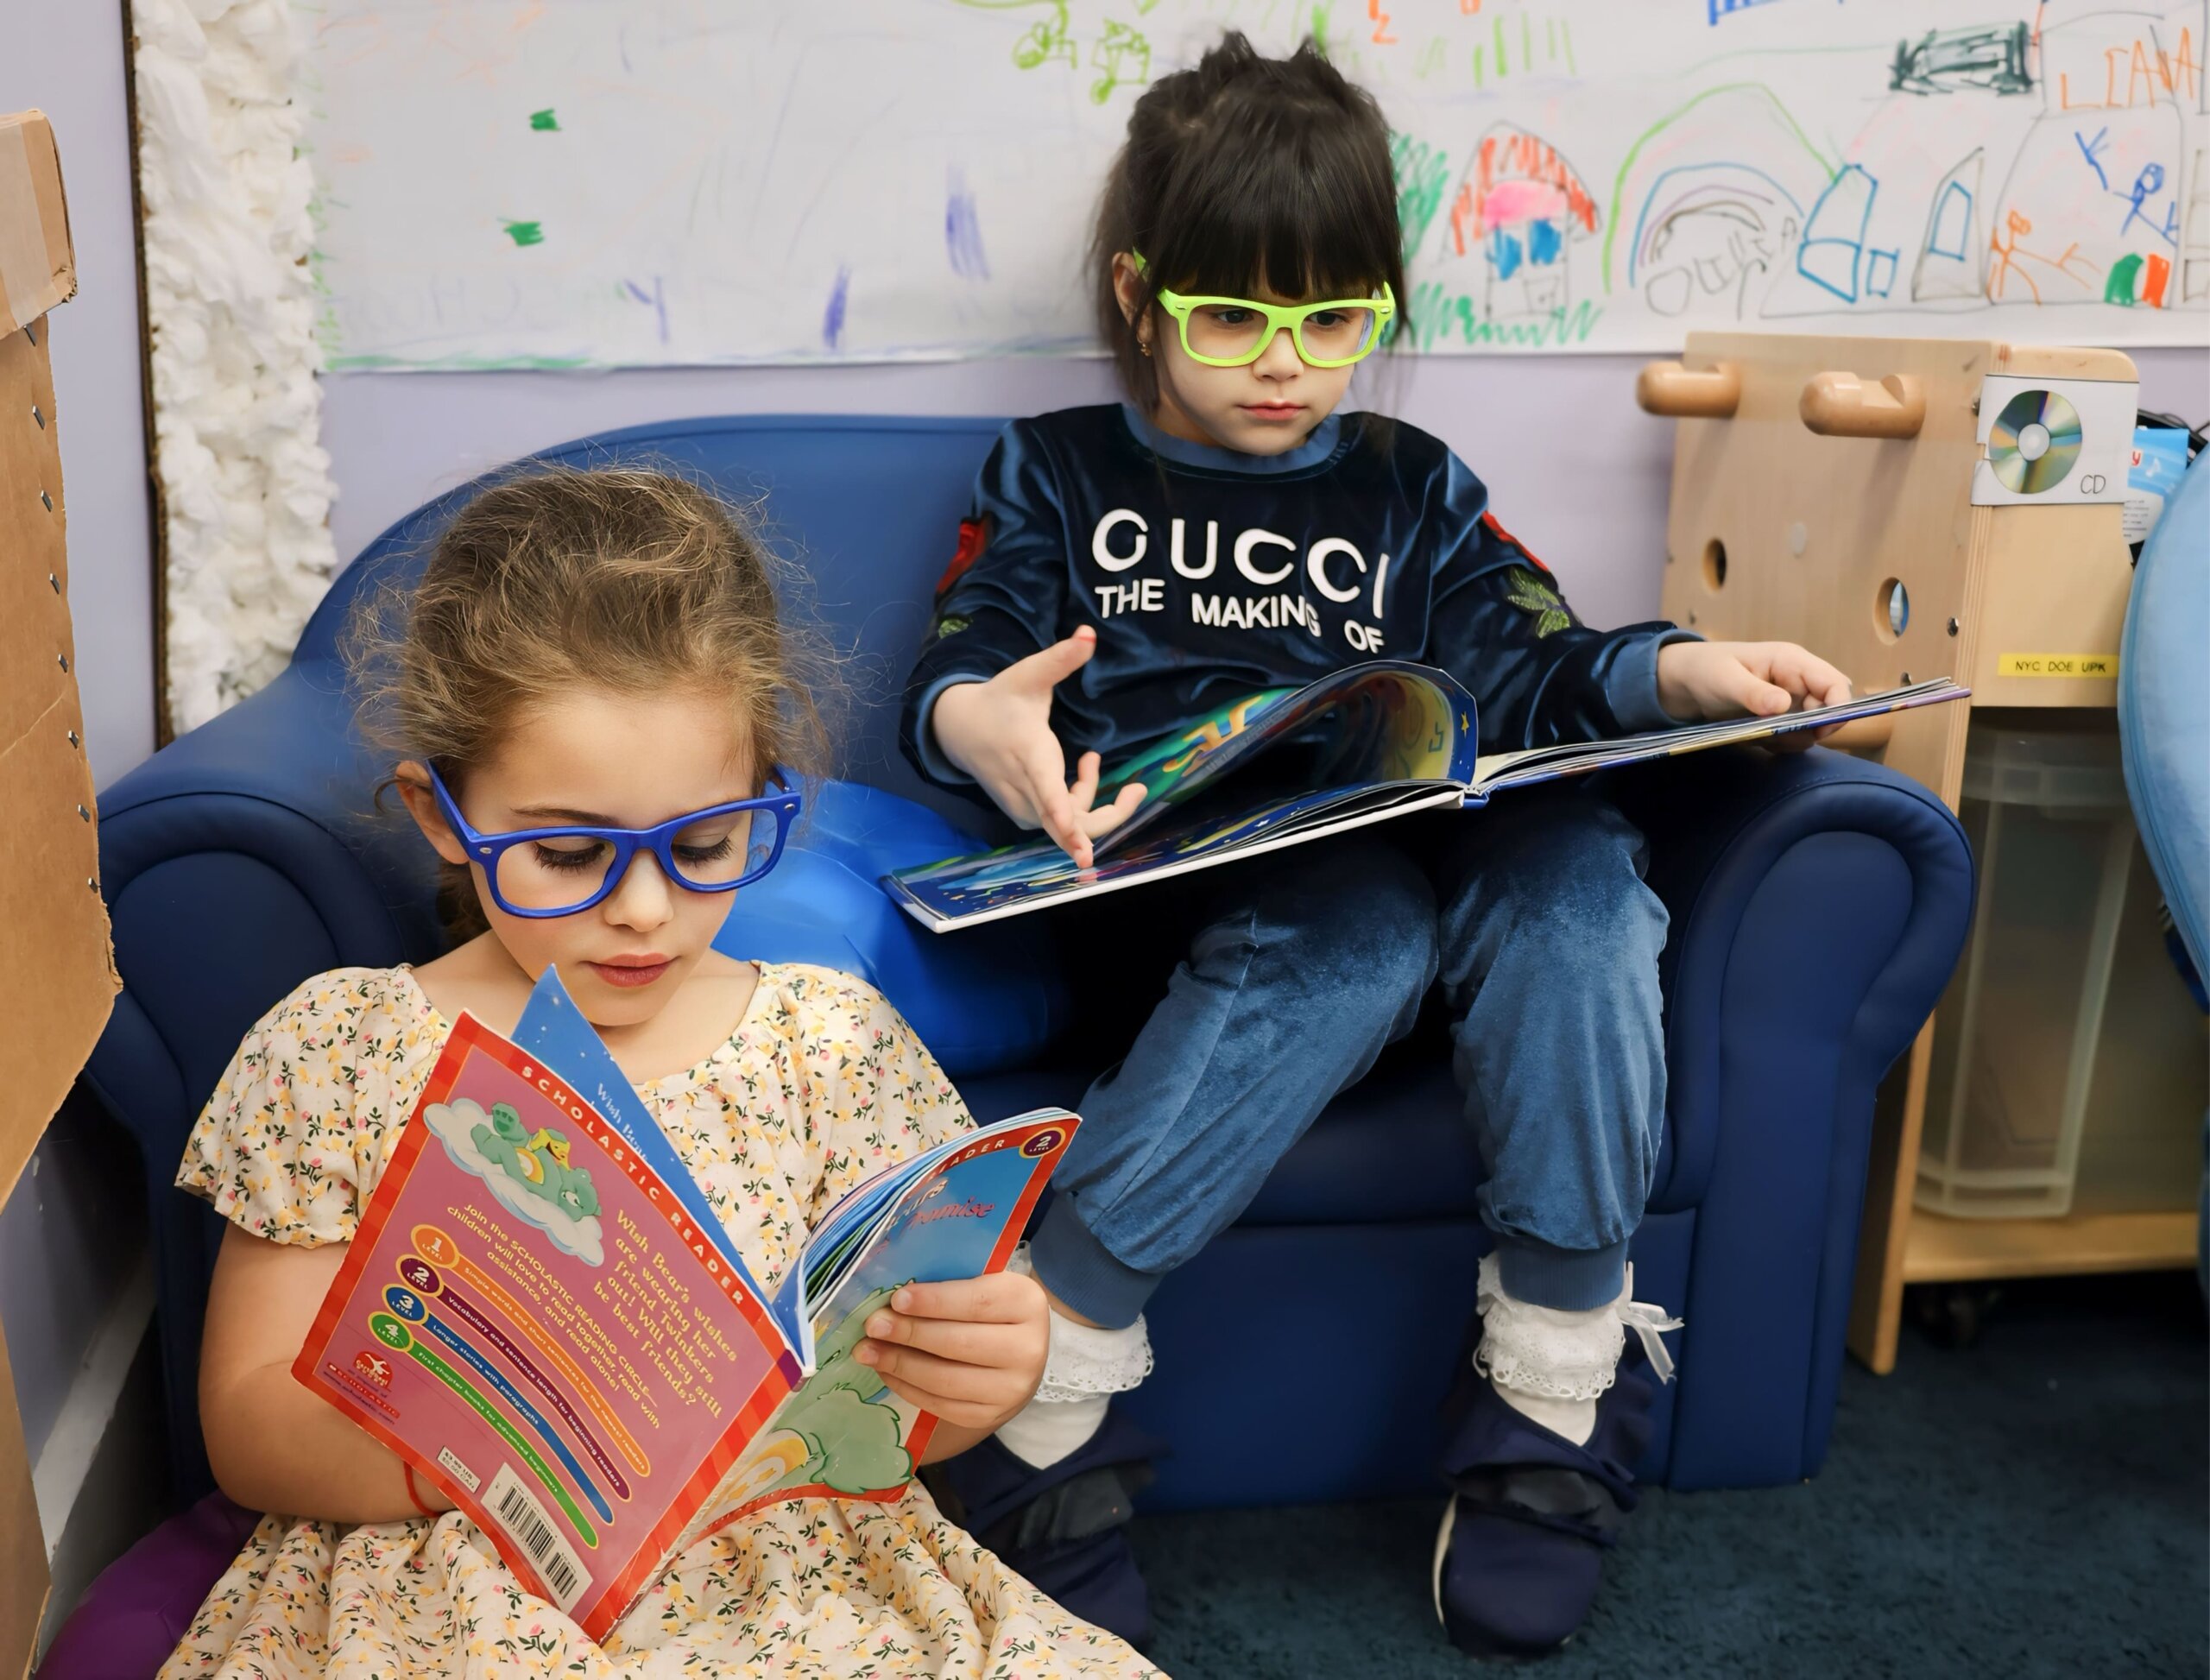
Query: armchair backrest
(246, 856)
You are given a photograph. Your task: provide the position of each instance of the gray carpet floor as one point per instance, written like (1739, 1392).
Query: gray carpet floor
(2037, 1503)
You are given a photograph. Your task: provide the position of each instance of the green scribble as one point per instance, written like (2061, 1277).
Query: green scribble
(1049, 41)
(1455, 317)
(1043, 43)
(1626, 169)
(544, 121)
(526, 233)
(1122, 57)
(1991, 58)
(1423, 177)
(2124, 274)
(1318, 28)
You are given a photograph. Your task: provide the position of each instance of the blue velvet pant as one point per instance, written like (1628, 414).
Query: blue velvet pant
(1533, 914)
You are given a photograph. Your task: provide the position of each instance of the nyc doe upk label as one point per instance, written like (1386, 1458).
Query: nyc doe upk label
(2057, 665)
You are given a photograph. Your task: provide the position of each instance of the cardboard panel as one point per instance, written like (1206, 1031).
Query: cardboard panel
(37, 268)
(23, 1583)
(57, 969)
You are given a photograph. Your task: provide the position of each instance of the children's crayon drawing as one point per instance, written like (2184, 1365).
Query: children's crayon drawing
(641, 182)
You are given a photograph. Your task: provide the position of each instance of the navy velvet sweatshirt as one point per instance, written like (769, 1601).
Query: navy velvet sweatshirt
(1209, 573)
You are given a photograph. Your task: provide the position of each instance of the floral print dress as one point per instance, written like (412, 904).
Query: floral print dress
(821, 1085)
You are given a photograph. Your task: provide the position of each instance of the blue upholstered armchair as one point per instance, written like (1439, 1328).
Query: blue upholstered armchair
(1817, 904)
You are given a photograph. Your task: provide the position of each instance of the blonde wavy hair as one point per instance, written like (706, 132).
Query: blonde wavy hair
(627, 579)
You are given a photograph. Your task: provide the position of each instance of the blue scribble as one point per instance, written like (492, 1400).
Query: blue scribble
(1725, 171)
(1544, 242)
(2146, 186)
(1952, 222)
(1727, 7)
(963, 230)
(2089, 147)
(832, 318)
(657, 298)
(1831, 251)
(1504, 250)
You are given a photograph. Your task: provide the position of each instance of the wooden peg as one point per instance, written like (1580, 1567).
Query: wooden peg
(1667, 388)
(1841, 405)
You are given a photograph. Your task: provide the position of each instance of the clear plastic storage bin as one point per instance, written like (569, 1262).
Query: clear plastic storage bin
(2069, 1069)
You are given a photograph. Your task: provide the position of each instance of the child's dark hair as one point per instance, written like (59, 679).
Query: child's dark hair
(1246, 169)
(620, 579)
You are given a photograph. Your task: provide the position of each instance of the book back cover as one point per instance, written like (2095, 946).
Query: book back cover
(532, 1318)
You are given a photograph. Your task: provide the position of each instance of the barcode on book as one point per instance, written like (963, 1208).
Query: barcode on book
(531, 1526)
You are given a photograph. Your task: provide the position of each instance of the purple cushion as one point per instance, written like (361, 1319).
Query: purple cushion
(131, 1618)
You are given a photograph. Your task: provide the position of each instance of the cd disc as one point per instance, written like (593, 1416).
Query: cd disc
(2034, 442)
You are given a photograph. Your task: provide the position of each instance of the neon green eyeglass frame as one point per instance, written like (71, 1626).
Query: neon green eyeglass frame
(1279, 317)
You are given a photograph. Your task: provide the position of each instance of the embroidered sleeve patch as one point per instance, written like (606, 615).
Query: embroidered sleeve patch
(974, 538)
(1531, 595)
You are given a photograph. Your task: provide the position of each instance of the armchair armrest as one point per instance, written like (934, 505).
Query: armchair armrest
(236, 861)
(1819, 903)
(1852, 939)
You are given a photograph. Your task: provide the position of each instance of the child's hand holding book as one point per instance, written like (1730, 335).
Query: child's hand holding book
(970, 1352)
(1715, 680)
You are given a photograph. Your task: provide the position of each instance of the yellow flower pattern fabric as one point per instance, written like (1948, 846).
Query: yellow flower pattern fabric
(820, 1085)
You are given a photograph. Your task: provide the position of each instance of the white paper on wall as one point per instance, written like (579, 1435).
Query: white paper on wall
(661, 181)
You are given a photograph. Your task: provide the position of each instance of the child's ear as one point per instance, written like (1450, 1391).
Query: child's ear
(1127, 286)
(412, 781)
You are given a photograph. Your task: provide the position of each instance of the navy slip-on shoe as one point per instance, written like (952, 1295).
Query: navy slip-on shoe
(1521, 1548)
(1065, 1526)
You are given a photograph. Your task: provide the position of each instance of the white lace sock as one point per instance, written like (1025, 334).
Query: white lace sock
(1549, 1364)
(1086, 1366)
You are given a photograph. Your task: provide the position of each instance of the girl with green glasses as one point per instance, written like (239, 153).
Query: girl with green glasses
(1234, 332)
(1129, 569)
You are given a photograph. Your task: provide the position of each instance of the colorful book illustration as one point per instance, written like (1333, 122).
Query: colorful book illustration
(541, 1314)
(1288, 765)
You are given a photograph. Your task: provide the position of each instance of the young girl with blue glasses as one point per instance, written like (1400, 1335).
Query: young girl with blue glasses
(1129, 569)
(588, 701)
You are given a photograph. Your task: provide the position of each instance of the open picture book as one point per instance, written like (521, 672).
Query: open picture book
(541, 1314)
(1288, 765)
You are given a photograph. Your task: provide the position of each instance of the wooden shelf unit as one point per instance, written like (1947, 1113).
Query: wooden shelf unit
(1941, 1250)
(1811, 477)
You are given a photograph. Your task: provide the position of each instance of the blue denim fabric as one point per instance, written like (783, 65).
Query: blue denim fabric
(1531, 912)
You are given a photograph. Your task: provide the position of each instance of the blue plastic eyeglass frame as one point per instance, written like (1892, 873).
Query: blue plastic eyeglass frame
(487, 849)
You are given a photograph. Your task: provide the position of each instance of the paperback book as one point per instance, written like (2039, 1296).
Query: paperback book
(542, 1315)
